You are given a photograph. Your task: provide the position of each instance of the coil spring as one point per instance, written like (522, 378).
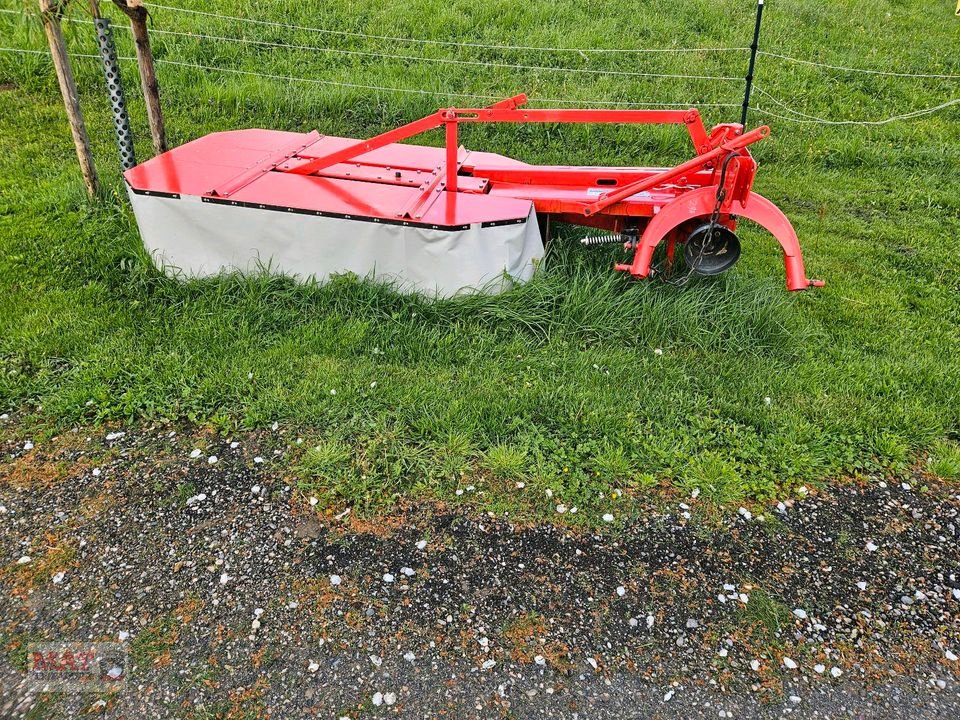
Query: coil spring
(603, 239)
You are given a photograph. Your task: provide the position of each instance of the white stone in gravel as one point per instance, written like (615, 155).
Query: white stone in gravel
(950, 655)
(723, 652)
(744, 598)
(255, 625)
(649, 621)
(755, 665)
(781, 507)
(956, 593)
(409, 572)
(234, 445)
(313, 666)
(722, 598)
(607, 517)
(836, 672)
(862, 585)
(313, 501)
(409, 656)
(745, 513)
(795, 699)
(123, 635)
(58, 577)
(521, 485)
(906, 486)
(728, 587)
(621, 591)
(388, 578)
(691, 624)
(275, 425)
(872, 547)
(224, 578)
(5, 416)
(24, 559)
(257, 612)
(255, 490)
(421, 544)
(668, 695)
(487, 664)
(115, 435)
(801, 614)
(376, 660)
(819, 668)
(195, 453)
(212, 460)
(561, 508)
(389, 698)
(258, 460)
(634, 622)
(335, 580)
(96, 472)
(28, 445)
(540, 660)
(194, 499)
(695, 493)
(593, 663)
(377, 699)
(789, 663)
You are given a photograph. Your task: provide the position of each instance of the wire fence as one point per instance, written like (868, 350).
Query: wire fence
(770, 105)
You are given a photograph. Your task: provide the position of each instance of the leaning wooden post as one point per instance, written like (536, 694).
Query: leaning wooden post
(137, 13)
(50, 12)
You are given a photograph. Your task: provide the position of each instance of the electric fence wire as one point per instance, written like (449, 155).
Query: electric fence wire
(446, 43)
(451, 43)
(797, 116)
(793, 115)
(377, 88)
(418, 58)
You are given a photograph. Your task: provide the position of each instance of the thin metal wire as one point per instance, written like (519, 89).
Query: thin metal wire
(448, 43)
(378, 88)
(444, 61)
(807, 119)
(867, 71)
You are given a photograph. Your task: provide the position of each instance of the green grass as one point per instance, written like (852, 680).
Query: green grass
(555, 382)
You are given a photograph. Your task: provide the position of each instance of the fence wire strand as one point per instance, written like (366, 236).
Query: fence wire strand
(787, 113)
(867, 71)
(379, 88)
(797, 116)
(446, 43)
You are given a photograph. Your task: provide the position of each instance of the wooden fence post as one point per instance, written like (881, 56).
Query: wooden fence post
(51, 10)
(137, 13)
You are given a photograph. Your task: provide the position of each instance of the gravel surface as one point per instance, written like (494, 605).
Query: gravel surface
(234, 598)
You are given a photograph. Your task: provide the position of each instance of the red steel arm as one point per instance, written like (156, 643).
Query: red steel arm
(507, 111)
(696, 163)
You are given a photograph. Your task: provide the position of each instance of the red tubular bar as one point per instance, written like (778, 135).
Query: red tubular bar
(696, 163)
(507, 111)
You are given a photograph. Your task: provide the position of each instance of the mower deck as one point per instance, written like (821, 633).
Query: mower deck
(436, 220)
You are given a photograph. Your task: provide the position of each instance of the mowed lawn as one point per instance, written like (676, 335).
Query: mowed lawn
(582, 382)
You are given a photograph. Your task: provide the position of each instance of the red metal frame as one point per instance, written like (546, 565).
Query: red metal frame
(388, 181)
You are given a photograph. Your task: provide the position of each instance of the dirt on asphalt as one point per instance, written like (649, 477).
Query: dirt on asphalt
(234, 598)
